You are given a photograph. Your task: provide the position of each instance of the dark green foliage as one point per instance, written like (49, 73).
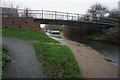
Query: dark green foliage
(112, 36)
(5, 59)
(5, 56)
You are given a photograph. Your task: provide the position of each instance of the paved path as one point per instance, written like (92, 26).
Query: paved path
(91, 63)
(24, 63)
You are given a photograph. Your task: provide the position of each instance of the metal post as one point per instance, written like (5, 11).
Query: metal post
(26, 11)
(78, 17)
(72, 17)
(42, 14)
(55, 15)
(67, 16)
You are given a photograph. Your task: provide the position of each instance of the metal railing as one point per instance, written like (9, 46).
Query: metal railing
(43, 14)
(46, 14)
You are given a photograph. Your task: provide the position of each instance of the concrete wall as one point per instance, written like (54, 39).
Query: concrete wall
(81, 31)
(24, 23)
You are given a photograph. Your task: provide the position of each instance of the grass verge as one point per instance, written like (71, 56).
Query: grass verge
(58, 60)
(26, 35)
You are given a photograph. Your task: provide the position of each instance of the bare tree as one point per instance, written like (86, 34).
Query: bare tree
(114, 13)
(96, 11)
(85, 17)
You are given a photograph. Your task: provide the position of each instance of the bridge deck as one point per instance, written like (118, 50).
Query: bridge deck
(52, 17)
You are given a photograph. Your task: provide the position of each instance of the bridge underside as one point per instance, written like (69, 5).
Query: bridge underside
(72, 23)
(34, 23)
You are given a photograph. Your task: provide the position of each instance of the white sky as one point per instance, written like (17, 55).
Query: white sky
(72, 6)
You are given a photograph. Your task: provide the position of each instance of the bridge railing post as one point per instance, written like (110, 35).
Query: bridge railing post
(72, 17)
(67, 15)
(42, 14)
(55, 15)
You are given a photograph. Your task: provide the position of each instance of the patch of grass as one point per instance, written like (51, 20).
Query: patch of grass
(5, 56)
(27, 34)
(108, 59)
(58, 60)
(59, 36)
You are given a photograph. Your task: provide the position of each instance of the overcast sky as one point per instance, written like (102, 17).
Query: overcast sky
(73, 6)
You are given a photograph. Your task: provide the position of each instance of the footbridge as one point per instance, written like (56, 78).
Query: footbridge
(53, 17)
(60, 18)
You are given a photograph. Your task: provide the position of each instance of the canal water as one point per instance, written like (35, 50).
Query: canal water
(107, 49)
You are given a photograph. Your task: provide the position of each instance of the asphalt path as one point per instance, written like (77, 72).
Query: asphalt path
(24, 63)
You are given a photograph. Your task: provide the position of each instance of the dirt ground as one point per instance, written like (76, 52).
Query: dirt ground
(91, 62)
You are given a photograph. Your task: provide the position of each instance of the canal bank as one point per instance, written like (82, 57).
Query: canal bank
(106, 49)
(91, 62)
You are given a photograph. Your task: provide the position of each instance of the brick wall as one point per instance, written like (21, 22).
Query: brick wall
(24, 23)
